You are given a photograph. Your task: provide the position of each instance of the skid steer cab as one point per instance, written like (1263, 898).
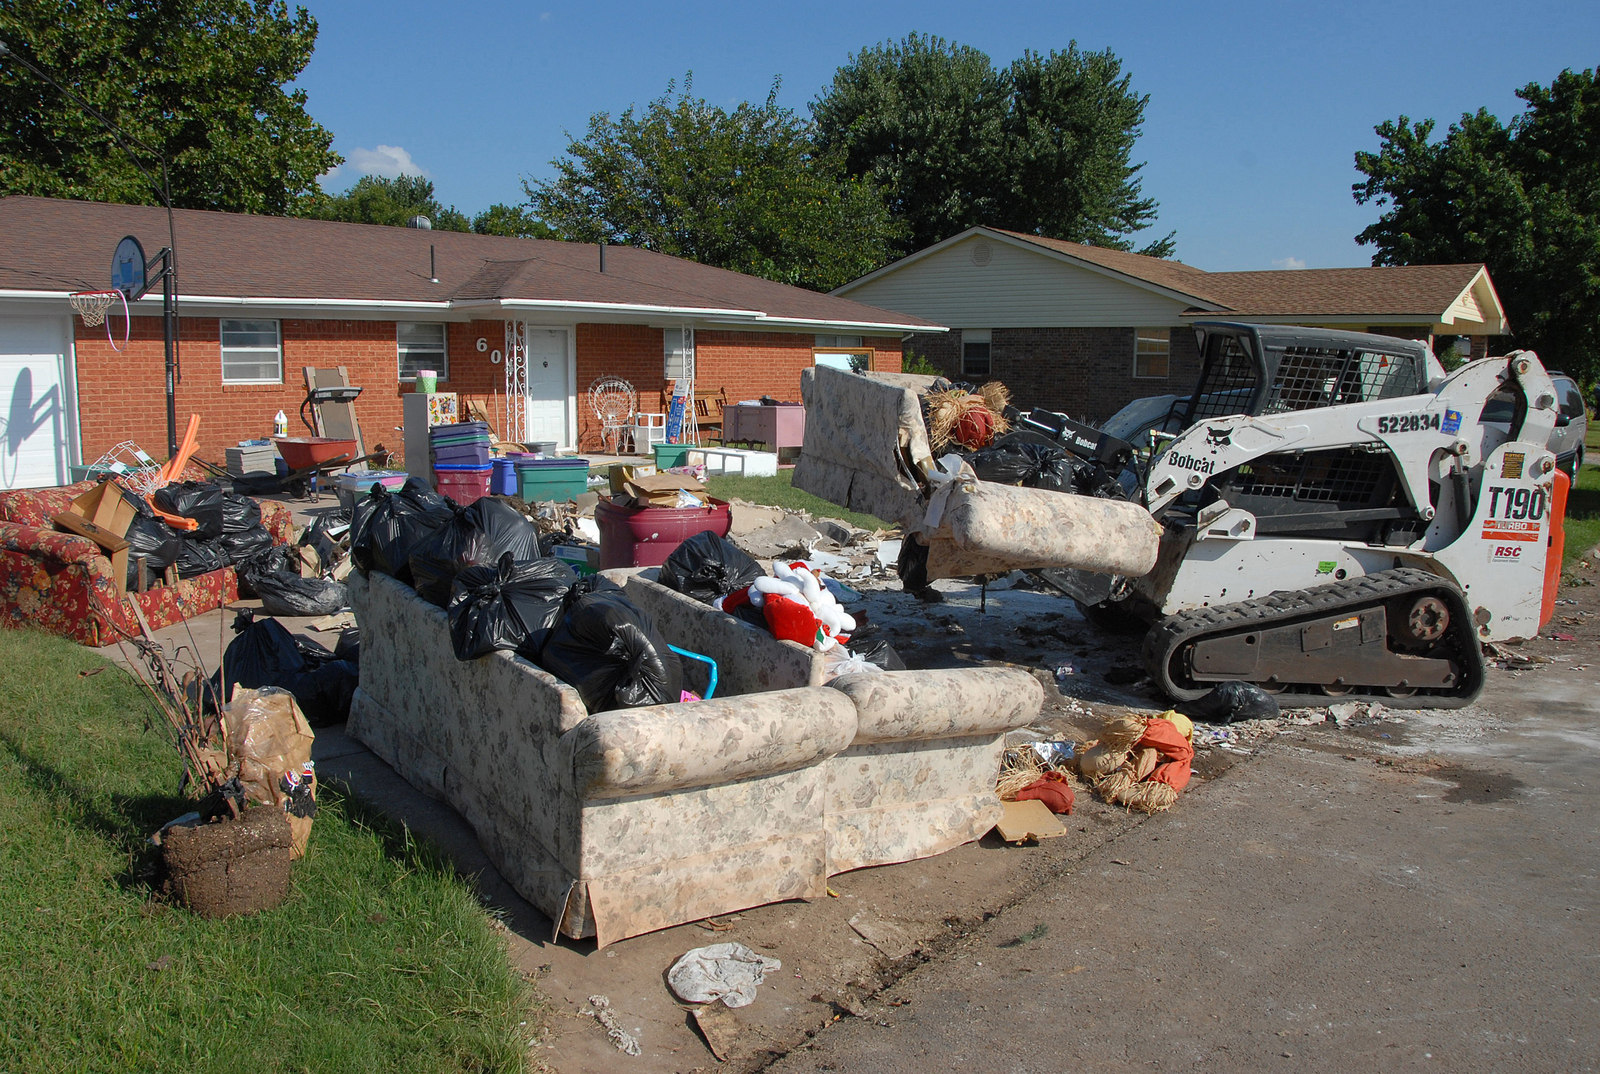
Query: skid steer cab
(1354, 527)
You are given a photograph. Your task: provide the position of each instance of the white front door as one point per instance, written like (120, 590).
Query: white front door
(547, 384)
(38, 412)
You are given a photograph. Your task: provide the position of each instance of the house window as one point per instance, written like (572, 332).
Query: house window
(975, 352)
(1151, 349)
(678, 351)
(421, 346)
(252, 352)
(842, 352)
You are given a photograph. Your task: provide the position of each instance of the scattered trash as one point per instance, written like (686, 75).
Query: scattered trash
(599, 1009)
(730, 972)
(1064, 672)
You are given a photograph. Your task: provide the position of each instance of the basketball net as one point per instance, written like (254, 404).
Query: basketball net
(92, 306)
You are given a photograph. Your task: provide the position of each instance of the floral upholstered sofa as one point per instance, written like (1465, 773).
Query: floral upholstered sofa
(62, 583)
(622, 822)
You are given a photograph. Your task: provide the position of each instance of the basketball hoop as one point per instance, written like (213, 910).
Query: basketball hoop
(92, 306)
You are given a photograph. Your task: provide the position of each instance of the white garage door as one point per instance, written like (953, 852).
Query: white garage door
(38, 412)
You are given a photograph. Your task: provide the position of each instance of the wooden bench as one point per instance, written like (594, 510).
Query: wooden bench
(708, 404)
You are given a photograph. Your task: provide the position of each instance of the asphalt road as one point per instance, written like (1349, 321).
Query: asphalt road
(1333, 904)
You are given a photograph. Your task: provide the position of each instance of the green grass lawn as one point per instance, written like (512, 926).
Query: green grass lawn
(1583, 502)
(777, 492)
(379, 960)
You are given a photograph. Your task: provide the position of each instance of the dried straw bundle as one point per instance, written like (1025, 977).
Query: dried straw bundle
(997, 397)
(946, 409)
(1149, 797)
(1100, 762)
(1020, 768)
(1121, 732)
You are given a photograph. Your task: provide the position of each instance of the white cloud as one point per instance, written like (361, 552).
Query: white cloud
(1288, 263)
(544, 16)
(389, 161)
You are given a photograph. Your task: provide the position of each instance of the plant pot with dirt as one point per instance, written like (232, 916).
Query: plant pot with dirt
(233, 866)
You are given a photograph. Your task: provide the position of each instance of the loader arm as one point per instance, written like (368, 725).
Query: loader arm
(1414, 430)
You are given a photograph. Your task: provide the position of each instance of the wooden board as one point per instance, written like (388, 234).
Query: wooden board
(1028, 820)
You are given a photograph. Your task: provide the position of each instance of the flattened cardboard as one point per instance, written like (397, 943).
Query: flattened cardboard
(1028, 820)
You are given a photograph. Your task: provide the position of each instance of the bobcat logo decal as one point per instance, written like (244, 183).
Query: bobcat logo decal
(1218, 438)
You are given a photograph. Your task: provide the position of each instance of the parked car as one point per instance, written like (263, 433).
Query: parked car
(1572, 423)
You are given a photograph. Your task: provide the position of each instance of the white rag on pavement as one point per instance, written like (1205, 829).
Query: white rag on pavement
(726, 971)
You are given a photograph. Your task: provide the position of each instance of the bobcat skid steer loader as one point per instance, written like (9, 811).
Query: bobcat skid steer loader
(1334, 519)
(1356, 530)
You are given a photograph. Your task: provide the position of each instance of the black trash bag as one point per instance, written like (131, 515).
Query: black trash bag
(349, 645)
(286, 593)
(1231, 702)
(266, 654)
(197, 557)
(245, 544)
(882, 654)
(476, 535)
(913, 565)
(157, 542)
(610, 651)
(1034, 466)
(752, 615)
(388, 526)
(511, 606)
(706, 567)
(240, 514)
(276, 558)
(199, 500)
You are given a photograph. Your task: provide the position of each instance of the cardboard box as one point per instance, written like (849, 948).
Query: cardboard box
(661, 490)
(582, 558)
(112, 544)
(109, 506)
(621, 473)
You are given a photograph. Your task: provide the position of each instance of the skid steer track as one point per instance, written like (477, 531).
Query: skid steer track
(1405, 637)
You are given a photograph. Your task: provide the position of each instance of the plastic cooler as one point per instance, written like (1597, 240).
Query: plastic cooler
(646, 536)
(463, 484)
(552, 479)
(670, 455)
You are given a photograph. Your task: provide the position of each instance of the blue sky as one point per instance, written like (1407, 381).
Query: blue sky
(1255, 111)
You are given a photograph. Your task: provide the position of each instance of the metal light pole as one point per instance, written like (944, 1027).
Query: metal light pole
(168, 257)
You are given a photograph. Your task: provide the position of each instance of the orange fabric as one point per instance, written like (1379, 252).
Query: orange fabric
(1556, 548)
(1167, 740)
(1052, 789)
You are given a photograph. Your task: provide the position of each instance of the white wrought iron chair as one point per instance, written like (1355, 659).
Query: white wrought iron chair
(613, 401)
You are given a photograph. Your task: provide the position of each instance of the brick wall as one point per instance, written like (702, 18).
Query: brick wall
(1086, 373)
(121, 396)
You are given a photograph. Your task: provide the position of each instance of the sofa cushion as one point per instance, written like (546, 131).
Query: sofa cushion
(900, 706)
(672, 747)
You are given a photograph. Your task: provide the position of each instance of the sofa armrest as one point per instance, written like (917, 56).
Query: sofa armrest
(48, 543)
(672, 747)
(900, 706)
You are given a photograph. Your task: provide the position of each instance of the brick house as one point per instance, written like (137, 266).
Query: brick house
(1085, 330)
(261, 298)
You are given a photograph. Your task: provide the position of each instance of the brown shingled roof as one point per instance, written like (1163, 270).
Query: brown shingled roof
(55, 245)
(1426, 290)
(1415, 290)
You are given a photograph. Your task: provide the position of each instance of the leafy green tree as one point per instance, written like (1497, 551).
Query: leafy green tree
(514, 220)
(1042, 147)
(742, 189)
(1522, 197)
(204, 82)
(377, 200)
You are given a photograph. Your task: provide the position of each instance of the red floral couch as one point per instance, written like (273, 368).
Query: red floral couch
(62, 583)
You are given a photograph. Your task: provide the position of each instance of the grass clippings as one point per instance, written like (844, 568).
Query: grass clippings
(380, 959)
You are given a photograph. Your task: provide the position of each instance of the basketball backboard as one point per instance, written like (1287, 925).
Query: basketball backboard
(127, 269)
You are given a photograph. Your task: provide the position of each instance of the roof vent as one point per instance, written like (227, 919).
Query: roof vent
(982, 253)
(420, 222)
